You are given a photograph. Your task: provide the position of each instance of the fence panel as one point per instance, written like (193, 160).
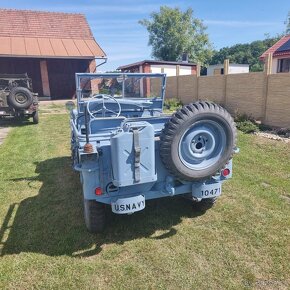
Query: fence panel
(245, 93)
(264, 97)
(278, 100)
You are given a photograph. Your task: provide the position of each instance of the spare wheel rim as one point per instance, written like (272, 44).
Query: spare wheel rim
(202, 145)
(21, 98)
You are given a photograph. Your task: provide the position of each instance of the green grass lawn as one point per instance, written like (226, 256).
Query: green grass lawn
(241, 243)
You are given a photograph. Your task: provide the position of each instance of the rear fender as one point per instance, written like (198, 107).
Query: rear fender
(90, 176)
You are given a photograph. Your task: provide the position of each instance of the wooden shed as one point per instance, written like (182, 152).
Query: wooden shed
(50, 46)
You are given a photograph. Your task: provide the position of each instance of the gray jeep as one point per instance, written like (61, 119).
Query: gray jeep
(17, 98)
(128, 151)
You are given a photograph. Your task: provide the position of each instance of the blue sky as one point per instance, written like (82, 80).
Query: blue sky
(115, 23)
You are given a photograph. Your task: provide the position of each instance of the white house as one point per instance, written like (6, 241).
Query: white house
(280, 52)
(234, 68)
(171, 68)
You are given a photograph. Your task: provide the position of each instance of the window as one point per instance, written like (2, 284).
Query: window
(218, 71)
(283, 65)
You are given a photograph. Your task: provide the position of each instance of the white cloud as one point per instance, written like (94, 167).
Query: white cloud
(242, 24)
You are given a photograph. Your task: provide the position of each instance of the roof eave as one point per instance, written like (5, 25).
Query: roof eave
(155, 62)
(51, 56)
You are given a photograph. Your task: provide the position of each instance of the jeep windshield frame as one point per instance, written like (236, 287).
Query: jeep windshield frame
(85, 83)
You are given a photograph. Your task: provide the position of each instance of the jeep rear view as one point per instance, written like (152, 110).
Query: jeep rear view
(128, 151)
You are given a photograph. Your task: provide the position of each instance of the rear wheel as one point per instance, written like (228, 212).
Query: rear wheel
(94, 213)
(35, 117)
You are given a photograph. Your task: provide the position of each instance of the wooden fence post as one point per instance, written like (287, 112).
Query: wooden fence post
(267, 71)
(177, 87)
(226, 66)
(177, 80)
(197, 80)
(198, 70)
(226, 72)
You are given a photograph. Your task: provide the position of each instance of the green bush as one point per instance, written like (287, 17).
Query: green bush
(246, 124)
(172, 104)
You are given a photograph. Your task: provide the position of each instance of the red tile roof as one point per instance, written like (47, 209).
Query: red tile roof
(46, 34)
(273, 48)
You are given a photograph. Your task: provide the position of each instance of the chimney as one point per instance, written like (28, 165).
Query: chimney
(185, 57)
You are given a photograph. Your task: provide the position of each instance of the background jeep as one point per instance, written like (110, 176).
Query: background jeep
(17, 98)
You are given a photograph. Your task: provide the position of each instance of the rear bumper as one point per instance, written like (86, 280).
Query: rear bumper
(129, 205)
(196, 191)
(9, 112)
(156, 189)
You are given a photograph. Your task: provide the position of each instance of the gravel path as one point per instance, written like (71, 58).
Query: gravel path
(3, 133)
(273, 136)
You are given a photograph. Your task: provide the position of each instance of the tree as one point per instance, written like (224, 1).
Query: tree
(173, 32)
(247, 53)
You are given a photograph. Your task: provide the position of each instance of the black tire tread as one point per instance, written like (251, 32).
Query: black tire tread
(182, 115)
(35, 117)
(94, 216)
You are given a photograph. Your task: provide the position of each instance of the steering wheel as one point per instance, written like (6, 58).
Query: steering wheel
(103, 109)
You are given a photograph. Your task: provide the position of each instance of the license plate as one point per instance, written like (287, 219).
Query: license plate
(128, 205)
(207, 190)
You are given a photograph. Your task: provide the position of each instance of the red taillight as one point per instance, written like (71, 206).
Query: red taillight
(98, 191)
(226, 172)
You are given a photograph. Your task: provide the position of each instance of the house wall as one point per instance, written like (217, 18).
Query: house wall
(238, 68)
(61, 74)
(233, 68)
(169, 70)
(173, 70)
(264, 97)
(185, 70)
(30, 66)
(274, 65)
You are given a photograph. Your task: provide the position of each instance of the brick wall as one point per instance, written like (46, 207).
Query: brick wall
(265, 97)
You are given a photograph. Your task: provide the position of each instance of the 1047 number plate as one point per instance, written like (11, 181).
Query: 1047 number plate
(207, 190)
(211, 193)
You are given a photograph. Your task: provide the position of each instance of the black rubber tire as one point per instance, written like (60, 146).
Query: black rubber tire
(179, 123)
(20, 98)
(95, 218)
(35, 117)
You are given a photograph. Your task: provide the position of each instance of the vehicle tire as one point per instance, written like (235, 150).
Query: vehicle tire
(20, 98)
(198, 141)
(94, 213)
(35, 117)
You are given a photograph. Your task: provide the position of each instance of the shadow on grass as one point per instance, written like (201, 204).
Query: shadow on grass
(15, 122)
(52, 223)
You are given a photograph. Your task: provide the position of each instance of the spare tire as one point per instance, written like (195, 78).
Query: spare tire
(198, 141)
(20, 98)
